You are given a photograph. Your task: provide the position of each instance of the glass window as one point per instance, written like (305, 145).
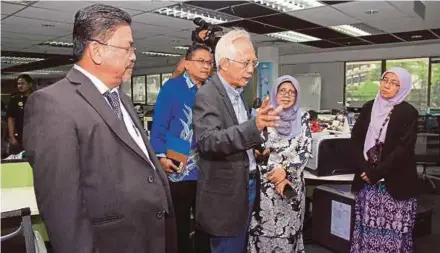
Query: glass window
(153, 87)
(435, 83)
(418, 68)
(139, 90)
(361, 82)
(165, 77)
(126, 88)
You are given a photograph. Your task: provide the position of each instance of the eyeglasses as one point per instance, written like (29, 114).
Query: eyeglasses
(247, 63)
(289, 93)
(203, 62)
(131, 49)
(384, 81)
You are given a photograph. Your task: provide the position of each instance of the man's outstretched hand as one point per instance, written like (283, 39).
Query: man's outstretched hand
(267, 116)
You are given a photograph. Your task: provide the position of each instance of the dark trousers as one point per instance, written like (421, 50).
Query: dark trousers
(184, 201)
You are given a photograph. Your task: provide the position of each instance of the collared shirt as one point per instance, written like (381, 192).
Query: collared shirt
(234, 95)
(173, 119)
(128, 121)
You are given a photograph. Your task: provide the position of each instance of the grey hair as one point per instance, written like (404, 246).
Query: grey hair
(225, 46)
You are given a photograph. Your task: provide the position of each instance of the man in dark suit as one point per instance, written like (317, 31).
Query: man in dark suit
(226, 138)
(98, 184)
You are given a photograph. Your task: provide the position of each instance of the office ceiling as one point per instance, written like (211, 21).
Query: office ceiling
(26, 25)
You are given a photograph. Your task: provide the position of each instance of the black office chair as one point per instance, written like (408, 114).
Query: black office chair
(24, 229)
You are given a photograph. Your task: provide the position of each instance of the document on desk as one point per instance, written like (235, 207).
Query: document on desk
(340, 220)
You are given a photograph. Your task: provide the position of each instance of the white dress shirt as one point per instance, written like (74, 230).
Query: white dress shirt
(129, 124)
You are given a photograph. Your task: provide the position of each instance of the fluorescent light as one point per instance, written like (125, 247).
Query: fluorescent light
(190, 13)
(43, 72)
(292, 36)
(287, 6)
(151, 53)
(350, 30)
(181, 47)
(56, 44)
(19, 60)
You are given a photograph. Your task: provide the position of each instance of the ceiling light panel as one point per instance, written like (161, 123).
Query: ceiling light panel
(188, 12)
(151, 53)
(57, 44)
(19, 60)
(181, 48)
(289, 5)
(292, 36)
(350, 30)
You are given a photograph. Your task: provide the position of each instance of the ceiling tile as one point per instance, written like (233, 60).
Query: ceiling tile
(164, 21)
(325, 16)
(321, 44)
(416, 35)
(215, 5)
(286, 21)
(24, 36)
(250, 10)
(8, 8)
(436, 31)
(136, 7)
(324, 33)
(398, 25)
(33, 26)
(74, 6)
(46, 14)
(381, 38)
(350, 41)
(253, 27)
(358, 10)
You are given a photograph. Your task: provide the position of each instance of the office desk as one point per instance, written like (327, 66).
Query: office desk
(335, 178)
(20, 197)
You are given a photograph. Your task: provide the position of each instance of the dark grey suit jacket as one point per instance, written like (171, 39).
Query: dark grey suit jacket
(222, 191)
(95, 189)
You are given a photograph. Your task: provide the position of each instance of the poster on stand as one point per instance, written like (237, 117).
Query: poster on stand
(265, 70)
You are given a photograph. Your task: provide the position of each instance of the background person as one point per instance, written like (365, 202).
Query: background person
(386, 180)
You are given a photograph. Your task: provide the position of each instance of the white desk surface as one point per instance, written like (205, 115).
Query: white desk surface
(17, 198)
(341, 178)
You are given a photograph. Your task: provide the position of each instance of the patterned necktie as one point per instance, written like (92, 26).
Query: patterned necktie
(113, 99)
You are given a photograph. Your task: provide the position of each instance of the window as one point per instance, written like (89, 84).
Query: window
(362, 82)
(153, 87)
(165, 77)
(139, 90)
(418, 68)
(126, 88)
(435, 83)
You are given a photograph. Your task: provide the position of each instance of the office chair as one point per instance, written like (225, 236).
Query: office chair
(25, 228)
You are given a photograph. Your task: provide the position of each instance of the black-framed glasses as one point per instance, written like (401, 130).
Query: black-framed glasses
(131, 49)
(246, 64)
(384, 81)
(290, 93)
(203, 62)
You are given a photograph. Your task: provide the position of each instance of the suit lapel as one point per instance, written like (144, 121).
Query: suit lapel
(89, 92)
(226, 99)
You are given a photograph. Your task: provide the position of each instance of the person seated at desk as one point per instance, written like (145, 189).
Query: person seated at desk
(384, 139)
(290, 148)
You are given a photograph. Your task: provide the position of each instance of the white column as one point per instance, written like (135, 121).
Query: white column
(267, 71)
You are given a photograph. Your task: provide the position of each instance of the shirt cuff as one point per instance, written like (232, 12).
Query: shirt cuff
(161, 155)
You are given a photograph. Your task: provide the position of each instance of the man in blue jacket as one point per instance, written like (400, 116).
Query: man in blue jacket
(173, 119)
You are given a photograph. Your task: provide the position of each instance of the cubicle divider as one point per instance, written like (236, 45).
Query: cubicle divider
(17, 176)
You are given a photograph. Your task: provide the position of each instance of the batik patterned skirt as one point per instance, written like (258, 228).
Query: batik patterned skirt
(382, 223)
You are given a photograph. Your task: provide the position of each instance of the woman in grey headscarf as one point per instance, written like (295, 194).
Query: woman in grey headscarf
(385, 181)
(276, 223)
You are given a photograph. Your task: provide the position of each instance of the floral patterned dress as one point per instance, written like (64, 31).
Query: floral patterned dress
(276, 225)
